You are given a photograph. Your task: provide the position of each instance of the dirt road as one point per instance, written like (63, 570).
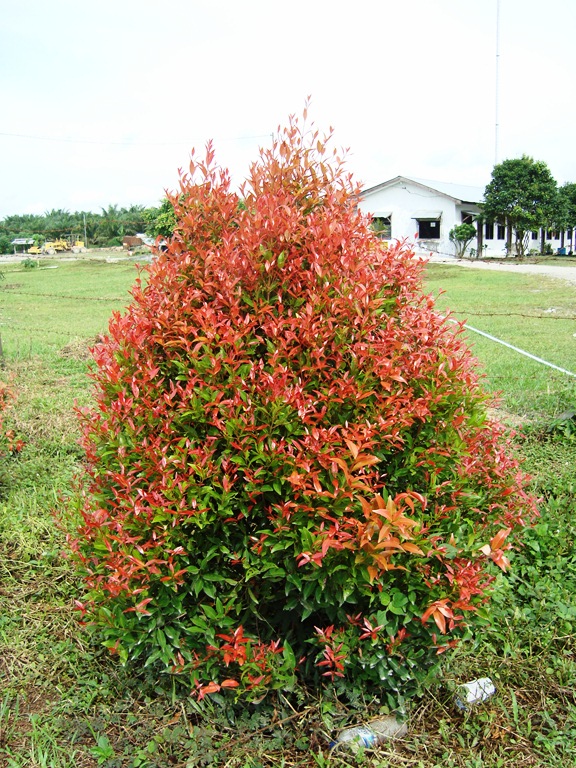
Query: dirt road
(567, 273)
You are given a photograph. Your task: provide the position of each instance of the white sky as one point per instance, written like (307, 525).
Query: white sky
(102, 101)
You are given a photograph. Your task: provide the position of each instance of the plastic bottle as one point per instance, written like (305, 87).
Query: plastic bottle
(371, 734)
(475, 692)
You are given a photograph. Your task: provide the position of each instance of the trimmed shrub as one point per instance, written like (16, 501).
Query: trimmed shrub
(290, 470)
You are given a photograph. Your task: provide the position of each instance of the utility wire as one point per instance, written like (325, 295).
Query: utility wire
(187, 142)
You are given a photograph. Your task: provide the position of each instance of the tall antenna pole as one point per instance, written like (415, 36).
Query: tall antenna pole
(497, 89)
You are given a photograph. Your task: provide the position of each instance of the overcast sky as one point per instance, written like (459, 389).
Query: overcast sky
(102, 101)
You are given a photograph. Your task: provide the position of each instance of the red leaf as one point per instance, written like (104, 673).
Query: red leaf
(499, 539)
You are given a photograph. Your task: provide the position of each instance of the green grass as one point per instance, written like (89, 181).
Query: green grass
(64, 702)
(45, 308)
(533, 313)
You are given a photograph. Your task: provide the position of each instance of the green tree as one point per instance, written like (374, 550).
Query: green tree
(27, 224)
(568, 196)
(567, 207)
(5, 243)
(524, 193)
(59, 223)
(160, 222)
(132, 219)
(111, 228)
(89, 223)
(462, 235)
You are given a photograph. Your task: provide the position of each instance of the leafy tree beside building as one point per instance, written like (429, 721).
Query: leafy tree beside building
(524, 194)
(462, 235)
(567, 211)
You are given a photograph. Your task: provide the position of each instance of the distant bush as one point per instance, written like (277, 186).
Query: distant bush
(5, 244)
(160, 222)
(290, 470)
(29, 263)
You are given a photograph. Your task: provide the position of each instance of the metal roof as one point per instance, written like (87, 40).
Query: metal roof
(462, 193)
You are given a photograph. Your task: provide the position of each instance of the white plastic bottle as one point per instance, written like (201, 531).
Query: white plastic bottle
(475, 692)
(371, 734)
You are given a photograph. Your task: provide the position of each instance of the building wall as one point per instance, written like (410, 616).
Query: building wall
(406, 202)
(496, 246)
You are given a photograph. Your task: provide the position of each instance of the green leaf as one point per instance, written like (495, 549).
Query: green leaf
(288, 655)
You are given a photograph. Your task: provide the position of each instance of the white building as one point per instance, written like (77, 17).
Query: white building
(423, 212)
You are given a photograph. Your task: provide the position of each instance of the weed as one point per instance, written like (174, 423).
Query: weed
(8, 716)
(103, 751)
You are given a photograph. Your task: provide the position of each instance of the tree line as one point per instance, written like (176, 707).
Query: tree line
(105, 229)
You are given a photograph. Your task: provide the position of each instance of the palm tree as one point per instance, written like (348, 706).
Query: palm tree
(58, 222)
(111, 228)
(133, 219)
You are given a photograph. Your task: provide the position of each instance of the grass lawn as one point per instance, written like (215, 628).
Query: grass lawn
(65, 703)
(534, 313)
(46, 307)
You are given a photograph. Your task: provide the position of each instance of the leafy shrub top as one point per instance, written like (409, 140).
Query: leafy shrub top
(289, 465)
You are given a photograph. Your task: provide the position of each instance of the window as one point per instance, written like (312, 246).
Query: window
(535, 235)
(489, 230)
(382, 226)
(428, 229)
(501, 233)
(467, 218)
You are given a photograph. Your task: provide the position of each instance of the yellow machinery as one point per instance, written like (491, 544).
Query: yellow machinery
(50, 247)
(77, 246)
(70, 243)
